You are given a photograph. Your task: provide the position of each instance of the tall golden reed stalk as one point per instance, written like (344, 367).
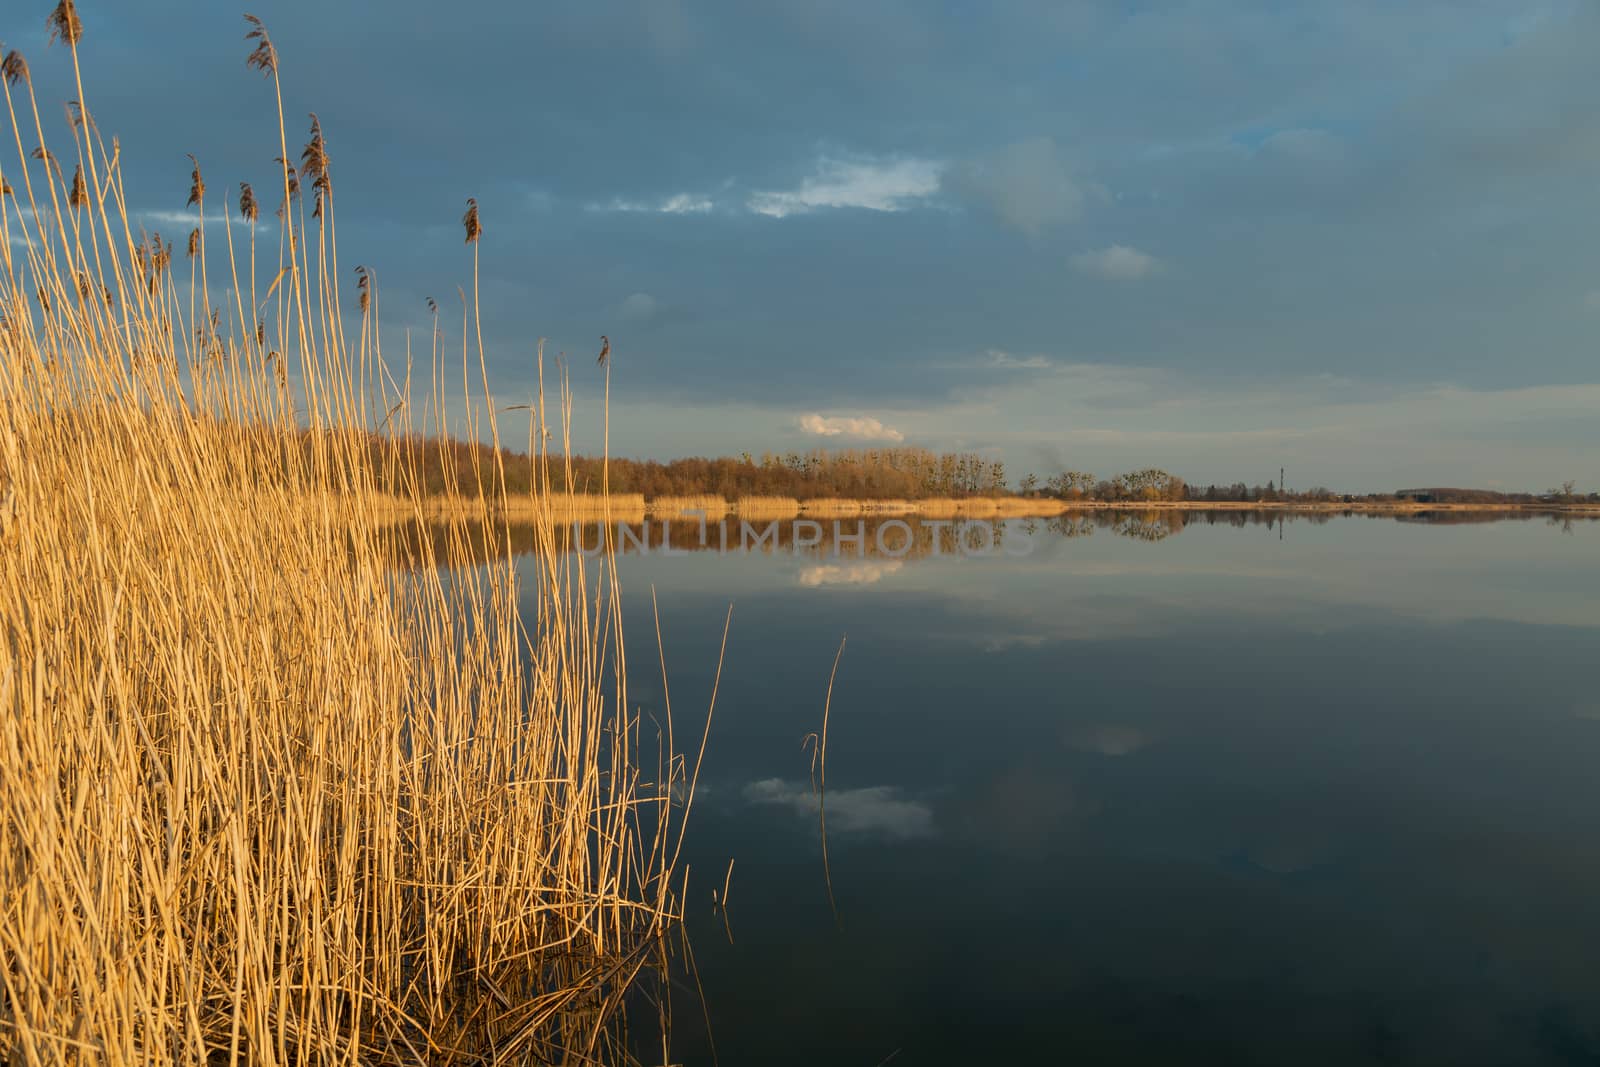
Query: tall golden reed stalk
(264, 796)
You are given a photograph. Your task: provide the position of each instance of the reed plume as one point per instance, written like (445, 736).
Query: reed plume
(469, 221)
(265, 57)
(14, 68)
(197, 185)
(314, 166)
(64, 24)
(44, 155)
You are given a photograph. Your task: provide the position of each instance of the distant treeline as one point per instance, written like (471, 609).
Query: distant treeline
(880, 473)
(1158, 485)
(461, 467)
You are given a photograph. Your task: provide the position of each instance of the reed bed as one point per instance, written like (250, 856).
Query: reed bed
(530, 508)
(1028, 506)
(266, 797)
(767, 507)
(944, 507)
(829, 507)
(709, 505)
(947, 506)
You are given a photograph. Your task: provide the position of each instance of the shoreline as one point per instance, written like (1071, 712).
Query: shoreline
(633, 507)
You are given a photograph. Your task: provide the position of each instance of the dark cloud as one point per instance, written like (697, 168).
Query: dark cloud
(1394, 193)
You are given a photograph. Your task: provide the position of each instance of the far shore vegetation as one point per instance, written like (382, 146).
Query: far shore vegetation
(915, 477)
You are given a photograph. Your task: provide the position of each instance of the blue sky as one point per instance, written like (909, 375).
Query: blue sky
(1357, 240)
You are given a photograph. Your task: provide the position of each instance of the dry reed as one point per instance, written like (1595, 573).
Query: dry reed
(829, 507)
(888, 507)
(767, 507)
(264, 796)
(709, 505)
(525, 508)
(977, 505)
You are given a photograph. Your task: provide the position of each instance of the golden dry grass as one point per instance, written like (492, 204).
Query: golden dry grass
(767, 507)
(981, 505)
(944, 507)
(265, 797)
(525, 508)
(709, 505)
(829, 507)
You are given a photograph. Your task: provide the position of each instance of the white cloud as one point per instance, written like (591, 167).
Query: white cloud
(1028, 185)
(878, 809)
(891, 184)
(863, 573)
(685, 204)
(189, 219)
(1118, 263)
(679, 204)
(877, 185)
(866, 429)
(996, 357)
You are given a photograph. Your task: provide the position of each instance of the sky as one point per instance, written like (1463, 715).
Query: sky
(1354, 240)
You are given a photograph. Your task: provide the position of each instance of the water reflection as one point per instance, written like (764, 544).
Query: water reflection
(1136, 787)
(911, 538)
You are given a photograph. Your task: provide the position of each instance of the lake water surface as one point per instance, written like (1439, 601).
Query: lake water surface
(1142, 790)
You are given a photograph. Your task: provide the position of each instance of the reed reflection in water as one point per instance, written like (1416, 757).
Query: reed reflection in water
(910, 537)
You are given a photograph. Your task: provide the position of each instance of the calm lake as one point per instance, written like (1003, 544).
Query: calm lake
(1140, 789)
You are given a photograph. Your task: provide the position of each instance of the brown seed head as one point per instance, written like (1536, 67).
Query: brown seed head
(79, 195)
(265, 57)
(364, 287)
(14, 68)
(289, 171)
(470, 221)
(314, 159)
(65, 24)
(194, 242)
(247, 203)
(197, 185)
(43, 153)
